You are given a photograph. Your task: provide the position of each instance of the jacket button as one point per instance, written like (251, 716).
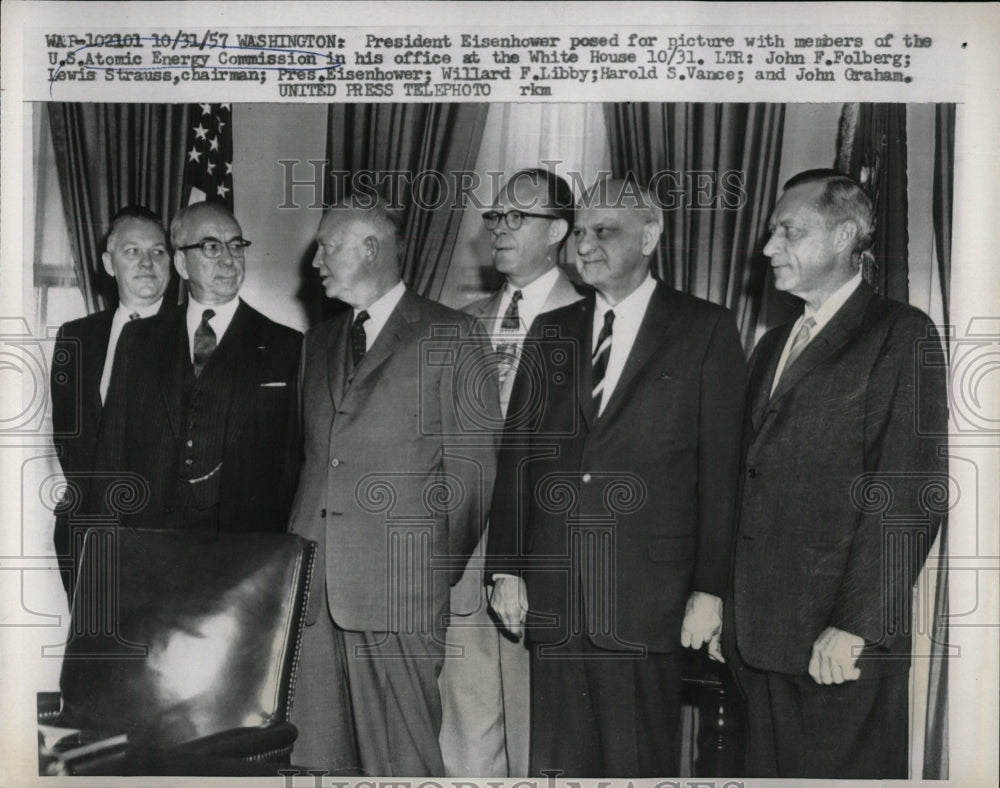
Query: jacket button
(322, 513)
(586, 478)
(189, 461)
(190, 443)
(334, 462)
(752, 473)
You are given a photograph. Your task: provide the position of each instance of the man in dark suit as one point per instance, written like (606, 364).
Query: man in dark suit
(610, 526)
(843, 465)
(202, 402)
(400, 410)
(137, 257)
(484, 690)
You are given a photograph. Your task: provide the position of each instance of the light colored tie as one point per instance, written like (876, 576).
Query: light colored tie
(799, 344)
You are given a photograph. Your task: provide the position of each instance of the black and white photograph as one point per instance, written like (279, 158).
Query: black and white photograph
(465, 400)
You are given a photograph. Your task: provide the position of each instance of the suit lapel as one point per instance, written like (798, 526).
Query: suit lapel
(242, 343)
(337, 349)
(399, 324)
(826, 343)
(580, 326)
(95, 351)
(562, 294)
(172, 343)
(762, 372)
(653, 330)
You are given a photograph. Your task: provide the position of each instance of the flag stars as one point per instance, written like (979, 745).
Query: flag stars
(213, 143)
(194, 155)
(206, 109)
(229, 168)
(222, 190)
(200, 131)
(210, 167)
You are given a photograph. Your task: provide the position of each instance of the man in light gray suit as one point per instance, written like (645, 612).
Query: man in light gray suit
(485, 692)
(399, 413)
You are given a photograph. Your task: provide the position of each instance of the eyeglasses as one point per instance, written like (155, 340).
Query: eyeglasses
(212, 247)
(513, 219)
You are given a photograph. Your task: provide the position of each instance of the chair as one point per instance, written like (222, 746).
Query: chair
(183, 642)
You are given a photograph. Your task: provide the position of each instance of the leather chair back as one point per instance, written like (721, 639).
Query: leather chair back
(177, 635)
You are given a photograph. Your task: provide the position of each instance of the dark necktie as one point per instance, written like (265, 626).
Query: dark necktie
(359, 340)
(134, 316)
(507, 347)
(204, 342)
(601, 353)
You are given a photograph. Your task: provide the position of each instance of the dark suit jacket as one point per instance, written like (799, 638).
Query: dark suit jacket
(399, 464)
(142, 430)
(652, 482)
(842, 485)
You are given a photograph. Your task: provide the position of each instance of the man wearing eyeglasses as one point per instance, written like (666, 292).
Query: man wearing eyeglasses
(485, 691)
(203, 400)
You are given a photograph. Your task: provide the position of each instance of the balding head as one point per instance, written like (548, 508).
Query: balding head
(357, 252)
(618, 227)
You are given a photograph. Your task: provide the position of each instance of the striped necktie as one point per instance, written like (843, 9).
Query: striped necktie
(601, 353)
(359, 338)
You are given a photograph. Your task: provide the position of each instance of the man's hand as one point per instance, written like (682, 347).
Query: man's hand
(509, 600)
(703, 623)
(834, 655)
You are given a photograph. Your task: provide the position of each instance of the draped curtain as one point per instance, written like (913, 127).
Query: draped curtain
(935, 766)
(411, 139)
(109, 156)
(872, 149)
(715, 167)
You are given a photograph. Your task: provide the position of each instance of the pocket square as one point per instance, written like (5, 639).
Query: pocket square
(274, 384)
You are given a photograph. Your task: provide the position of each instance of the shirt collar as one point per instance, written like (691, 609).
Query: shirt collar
(537, 290)
(633, 306)
(380, 310)
(148, 310)
(832, 305)
(220, 322)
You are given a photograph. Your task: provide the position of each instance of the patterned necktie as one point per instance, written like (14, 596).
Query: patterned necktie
(133, 316)
(799, 344)
(601, 353)
(507, 347)
(204, 342)
(359, 339)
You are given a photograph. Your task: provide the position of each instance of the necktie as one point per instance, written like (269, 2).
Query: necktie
(204, 342)
(507, 347)
(359, 340)
(133, 316)
(601, 353)
(799, 343)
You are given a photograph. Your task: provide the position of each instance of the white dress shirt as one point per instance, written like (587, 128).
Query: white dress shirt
(122, 315)
(629, 313)
(533, 298)
(219, 322)
(379, 312)
(822, 316)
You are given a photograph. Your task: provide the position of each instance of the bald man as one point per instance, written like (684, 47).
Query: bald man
(400, 407)
(611, 523)
(202, 401)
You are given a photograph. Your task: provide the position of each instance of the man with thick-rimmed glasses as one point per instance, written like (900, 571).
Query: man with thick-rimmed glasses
(203, 399)
(484, 690)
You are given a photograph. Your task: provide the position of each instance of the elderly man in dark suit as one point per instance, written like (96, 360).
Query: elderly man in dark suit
(610, 526)
(484, 689)
(137, 257)
(841, 415)
(400, 410)
(202, 403)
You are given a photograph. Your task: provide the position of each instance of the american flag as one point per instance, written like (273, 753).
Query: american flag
(209, 167)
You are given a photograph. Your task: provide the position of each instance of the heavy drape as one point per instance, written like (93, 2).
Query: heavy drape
(714, 167)
(427, 144)
(872, 149)
(110, 156)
